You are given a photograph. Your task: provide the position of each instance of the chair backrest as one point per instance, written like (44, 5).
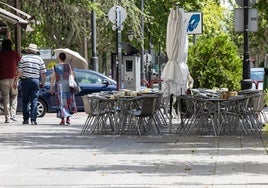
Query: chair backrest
(94, 105)
(148, 105)
(159, 100)
(86, 103)
(237, 105)
(186, 104)
(258, 102)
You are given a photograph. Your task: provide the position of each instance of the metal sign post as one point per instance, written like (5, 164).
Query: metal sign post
(117, 16)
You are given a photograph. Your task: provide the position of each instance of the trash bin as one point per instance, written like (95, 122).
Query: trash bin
(265, 79)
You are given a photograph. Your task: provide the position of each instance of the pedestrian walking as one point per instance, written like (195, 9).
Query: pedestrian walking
(60, 87)
(32, 73)
(9, 59)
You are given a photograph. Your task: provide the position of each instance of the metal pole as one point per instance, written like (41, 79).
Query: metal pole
(194, 39)
(119, 48)
(94, 58)
(85, 47)
(142, 44)
(17, 32)
(246, 82)
(159, 67)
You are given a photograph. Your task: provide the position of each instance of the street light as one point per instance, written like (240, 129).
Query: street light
(142, 41)
(94, 57)
(246, 83)
(130, 35)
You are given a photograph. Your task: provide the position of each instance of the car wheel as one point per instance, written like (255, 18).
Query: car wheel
(41, 108)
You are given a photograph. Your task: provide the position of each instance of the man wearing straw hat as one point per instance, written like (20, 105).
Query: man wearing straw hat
(31, 69)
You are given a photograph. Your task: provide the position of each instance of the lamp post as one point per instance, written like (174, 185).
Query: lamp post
(142, 43)
(250, 24)
(94, 58)
(246, 82)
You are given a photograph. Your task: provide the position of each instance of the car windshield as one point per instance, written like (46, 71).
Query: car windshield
(89, 78)
(82, 77)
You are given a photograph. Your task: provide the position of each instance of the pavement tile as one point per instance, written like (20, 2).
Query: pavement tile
(49, 155)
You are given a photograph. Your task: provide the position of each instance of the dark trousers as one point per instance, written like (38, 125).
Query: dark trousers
(30, 93)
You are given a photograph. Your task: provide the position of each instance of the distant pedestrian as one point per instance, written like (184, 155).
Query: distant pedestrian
(60, 86)
(31, 69)
(8, 67)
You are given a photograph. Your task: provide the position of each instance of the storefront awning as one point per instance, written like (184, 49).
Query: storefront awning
(14, 19)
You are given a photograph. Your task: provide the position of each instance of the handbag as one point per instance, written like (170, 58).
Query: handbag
(72, 82)
(76, 89)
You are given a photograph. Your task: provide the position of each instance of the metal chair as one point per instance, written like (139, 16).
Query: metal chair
(96, 114)
(159, 113)
(236, 115)
(255, 110)
(196, 115)
(144, 115)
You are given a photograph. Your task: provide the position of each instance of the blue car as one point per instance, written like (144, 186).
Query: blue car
(89, 82)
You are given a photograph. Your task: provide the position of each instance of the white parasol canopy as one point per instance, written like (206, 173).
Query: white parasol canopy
(73, 58)
(176, 71)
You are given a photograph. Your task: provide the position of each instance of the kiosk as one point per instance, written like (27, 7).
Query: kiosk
(131, 72)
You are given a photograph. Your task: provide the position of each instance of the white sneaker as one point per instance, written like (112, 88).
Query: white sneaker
(13, 118)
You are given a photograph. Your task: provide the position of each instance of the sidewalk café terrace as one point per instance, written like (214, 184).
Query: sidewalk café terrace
(204, 111)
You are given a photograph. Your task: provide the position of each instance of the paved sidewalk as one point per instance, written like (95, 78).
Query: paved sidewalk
(53, 156)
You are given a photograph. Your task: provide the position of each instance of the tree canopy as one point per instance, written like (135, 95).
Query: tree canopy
(66, 23)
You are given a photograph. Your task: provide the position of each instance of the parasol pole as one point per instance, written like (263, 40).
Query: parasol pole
(170, 113)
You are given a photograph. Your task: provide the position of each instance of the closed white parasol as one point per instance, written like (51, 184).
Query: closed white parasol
(176, 71)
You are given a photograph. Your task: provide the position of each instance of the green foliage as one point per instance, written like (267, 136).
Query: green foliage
(215, 62)
(66, 23)
(158, 11)
(259, 39)
(266, 97)
(265, 129)
(213, 19)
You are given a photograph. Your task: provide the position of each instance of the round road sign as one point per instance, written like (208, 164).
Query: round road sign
(113, 11)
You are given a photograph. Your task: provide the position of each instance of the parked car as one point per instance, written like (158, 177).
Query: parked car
(89, 81)
(257, 76)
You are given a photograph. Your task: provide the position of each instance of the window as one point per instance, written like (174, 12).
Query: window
(129, 65)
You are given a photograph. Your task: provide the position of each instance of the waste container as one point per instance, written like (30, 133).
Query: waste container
(265, 79)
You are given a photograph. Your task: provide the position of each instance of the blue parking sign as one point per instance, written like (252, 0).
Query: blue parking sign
(194, 22)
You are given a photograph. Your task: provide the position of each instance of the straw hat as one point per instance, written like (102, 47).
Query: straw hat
(32, 48)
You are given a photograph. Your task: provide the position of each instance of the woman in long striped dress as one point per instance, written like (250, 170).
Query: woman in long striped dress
(60, 86)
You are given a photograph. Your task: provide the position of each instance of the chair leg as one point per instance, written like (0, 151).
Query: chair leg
(87, 124)
(138, 125)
